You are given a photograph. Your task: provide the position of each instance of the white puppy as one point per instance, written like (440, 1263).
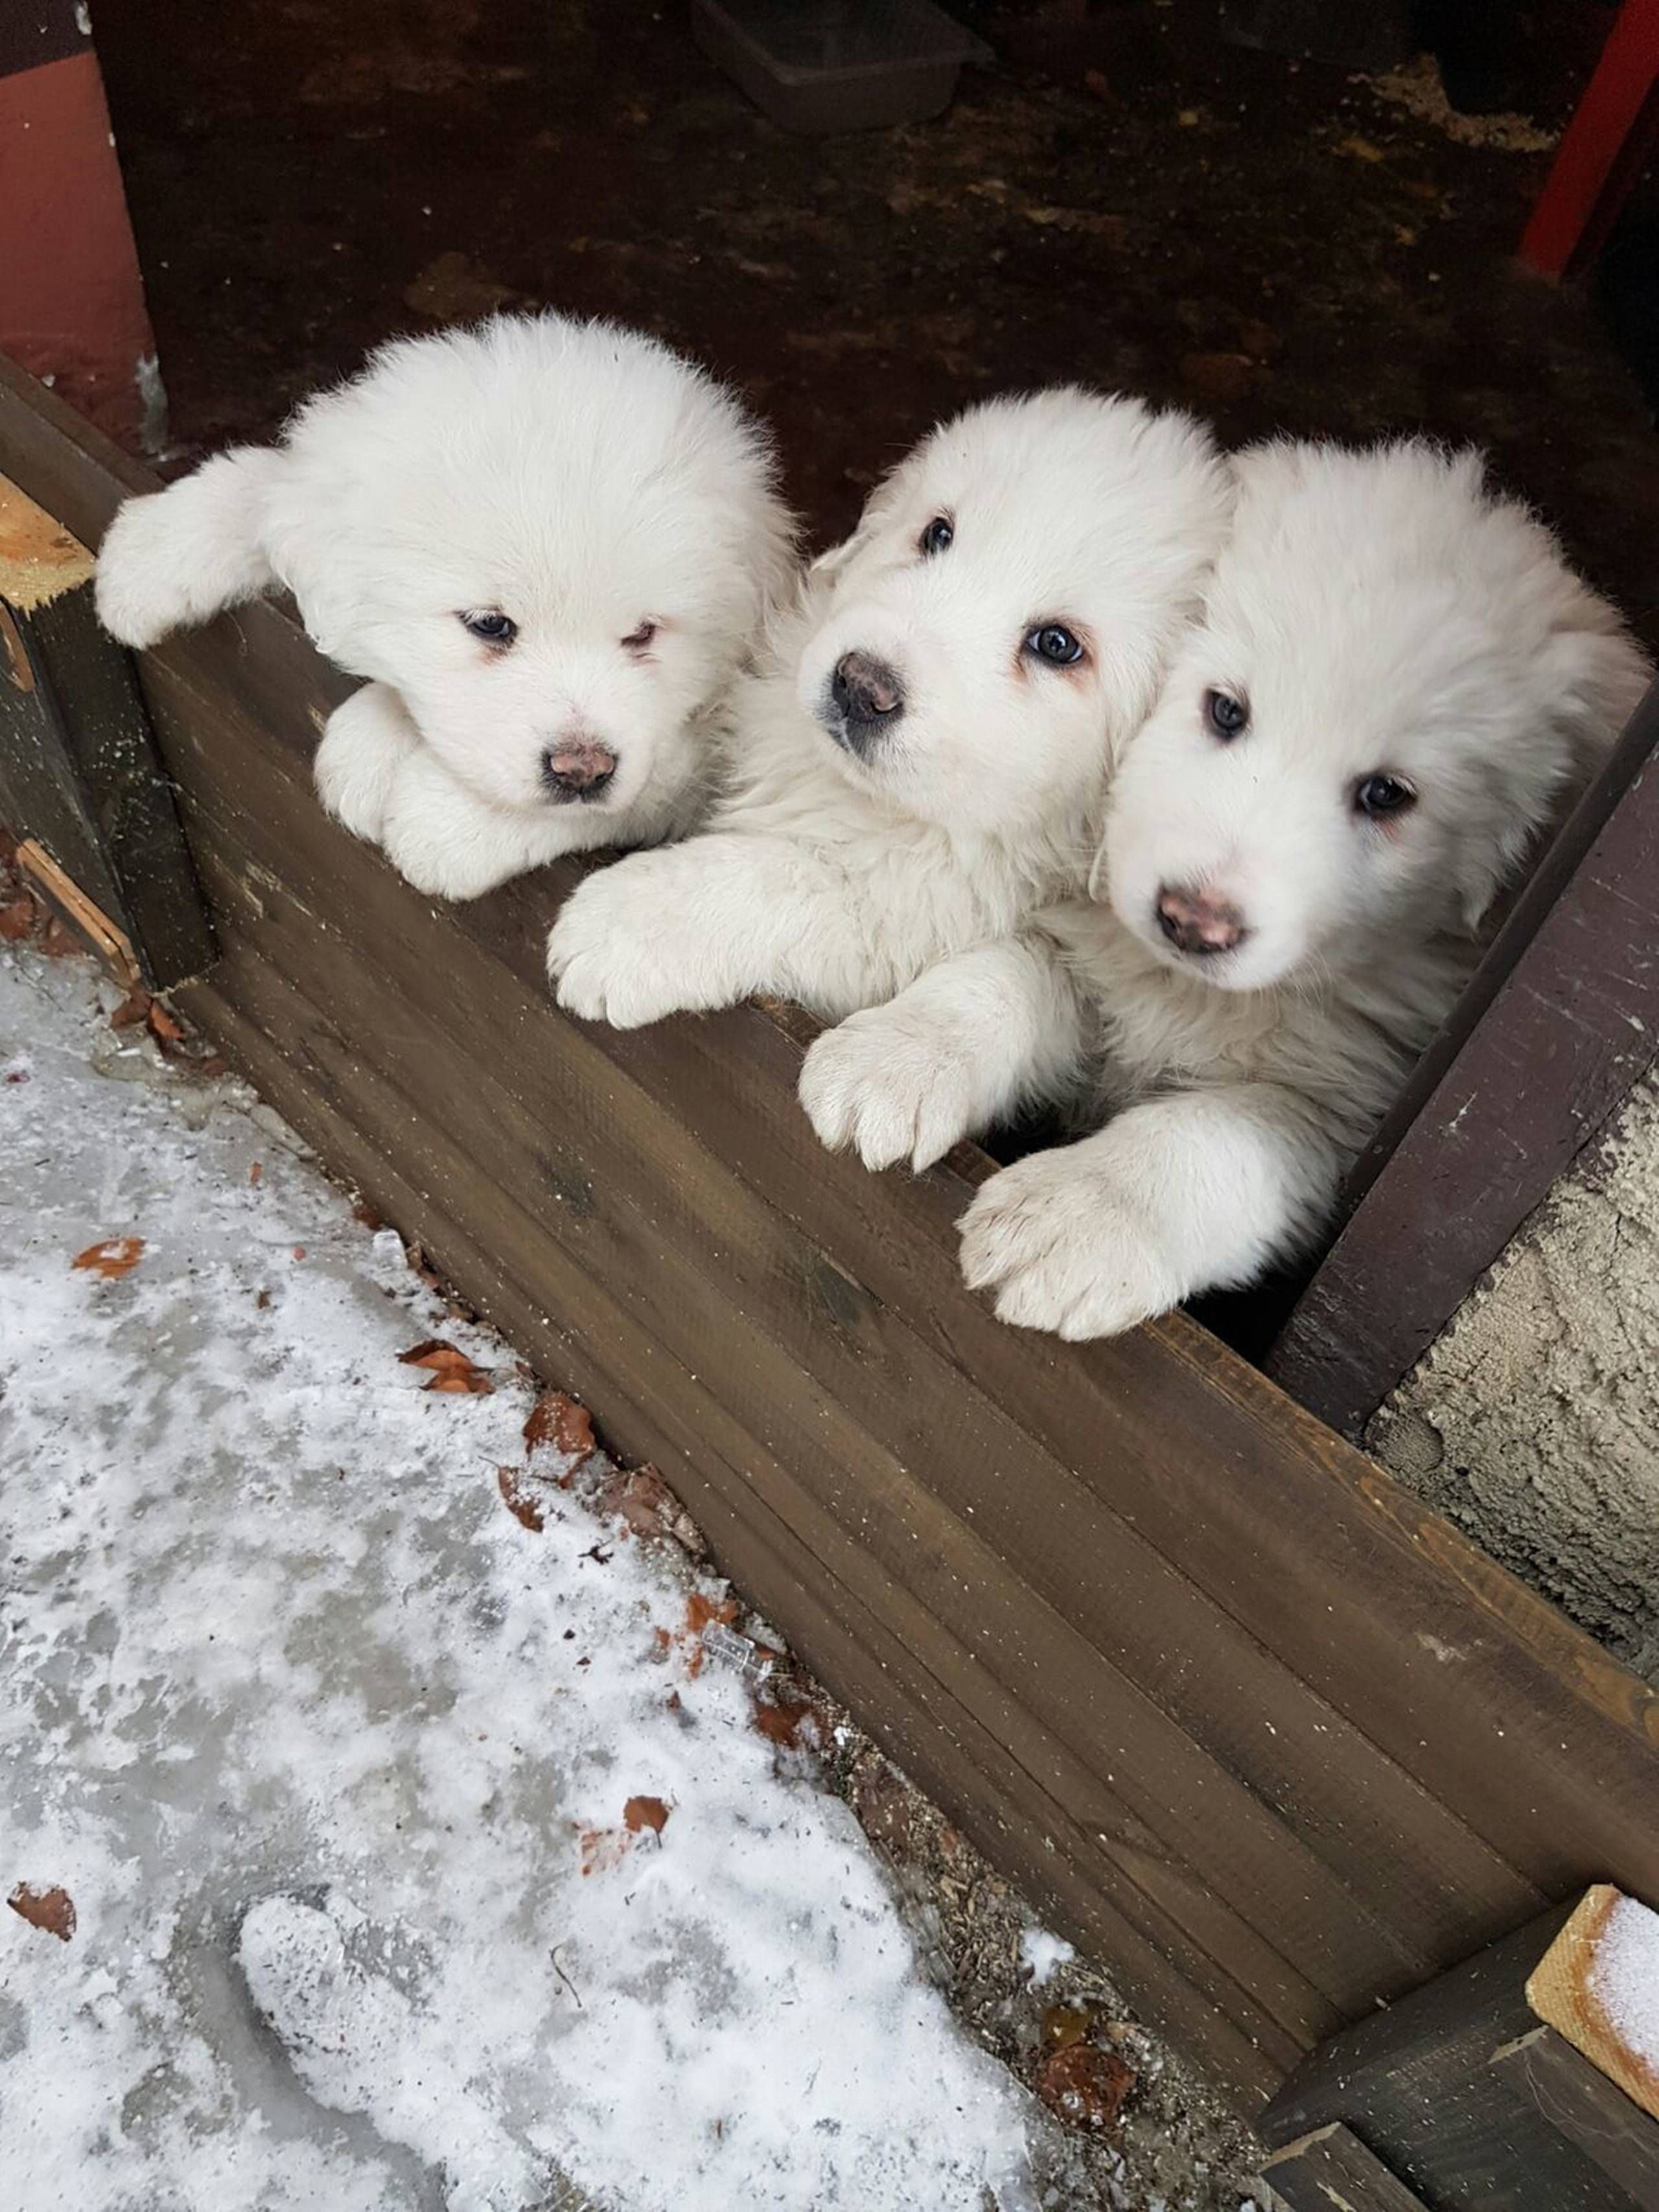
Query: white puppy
(1397, 683)
(548, 544)
(923, 762)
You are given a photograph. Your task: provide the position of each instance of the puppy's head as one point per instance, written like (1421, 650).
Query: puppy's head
(553, 539)
(1396, 683)
(983, 645)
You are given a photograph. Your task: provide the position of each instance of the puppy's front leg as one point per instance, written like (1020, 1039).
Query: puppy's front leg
(369, 738)
(1196, 1192)
(702, 925)
(447, 842)
(969, 1041)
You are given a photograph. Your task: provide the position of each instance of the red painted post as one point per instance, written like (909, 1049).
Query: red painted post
(71, 299)
(1605, 147)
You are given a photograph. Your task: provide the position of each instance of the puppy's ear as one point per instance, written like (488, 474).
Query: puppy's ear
(1591, 675)
(311, 559)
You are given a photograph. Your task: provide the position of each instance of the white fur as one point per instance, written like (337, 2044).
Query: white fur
(580, 479)
(902, 884)
(1380, 611)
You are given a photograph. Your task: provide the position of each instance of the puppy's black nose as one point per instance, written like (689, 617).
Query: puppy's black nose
(868, 697)
(577, 768)
(1199, 923)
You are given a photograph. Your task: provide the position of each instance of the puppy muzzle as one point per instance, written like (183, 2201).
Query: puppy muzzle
(577, 770)
(862, 703)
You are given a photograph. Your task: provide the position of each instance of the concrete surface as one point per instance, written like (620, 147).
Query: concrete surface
(1534, 1422)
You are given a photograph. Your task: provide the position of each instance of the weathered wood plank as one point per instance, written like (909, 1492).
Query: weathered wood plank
(1580, 2103)
(1332, 2171)
(1561, 1021)
(1414, 2083)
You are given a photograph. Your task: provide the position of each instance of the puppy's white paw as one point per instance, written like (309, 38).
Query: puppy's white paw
(144, 586)
(368, 739)
(1067, 1246)
(621, 951)
(892, 1086)
(441, 839)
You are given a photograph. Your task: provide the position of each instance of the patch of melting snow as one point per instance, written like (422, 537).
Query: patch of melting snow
(319, 1738)
(1625, 1978)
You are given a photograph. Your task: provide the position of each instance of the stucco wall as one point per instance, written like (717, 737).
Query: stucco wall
(1534, 1421)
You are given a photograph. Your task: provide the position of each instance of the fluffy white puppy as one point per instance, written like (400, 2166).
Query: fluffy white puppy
(922, 762)
(1397, 682)
(547, 544)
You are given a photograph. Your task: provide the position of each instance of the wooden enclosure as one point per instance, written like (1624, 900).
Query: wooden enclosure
(1239, 1714)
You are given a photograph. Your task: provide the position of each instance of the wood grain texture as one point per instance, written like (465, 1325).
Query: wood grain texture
(1559, 1023)
(1332, 2171)
(1568, 1990)
(1578, 2101)
(1239, 1715)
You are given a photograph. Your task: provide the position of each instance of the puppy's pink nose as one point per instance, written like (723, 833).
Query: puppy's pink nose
(578, 768)
(1199, 923)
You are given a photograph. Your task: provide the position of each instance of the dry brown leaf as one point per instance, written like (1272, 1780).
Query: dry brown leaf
(52, 1911)
(520, 1501)
(557, 1418)
(256, 1174)
(641, 1813)
(165, 1028)
(452, 1373)
(1085, 2086)
(133, 1009)
(116, 1255)
(18, 918)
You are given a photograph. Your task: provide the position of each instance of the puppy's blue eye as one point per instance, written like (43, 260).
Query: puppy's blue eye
(1224, 715)
(1054, 643)
(937, 537)
(1376, 795)
(490, 624)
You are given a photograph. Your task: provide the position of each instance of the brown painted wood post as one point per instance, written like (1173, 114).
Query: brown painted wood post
(1559, 1023)
(71, 299)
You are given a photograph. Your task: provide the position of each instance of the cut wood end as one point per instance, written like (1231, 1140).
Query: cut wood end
(1598, 1985)
(38, 559)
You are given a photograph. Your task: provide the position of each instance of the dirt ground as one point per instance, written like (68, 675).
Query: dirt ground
(1128, 199)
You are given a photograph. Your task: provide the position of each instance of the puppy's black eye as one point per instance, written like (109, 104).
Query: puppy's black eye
(1224, 715)
(1054, 643)
(1376, 795)
(937, 537)
(490, 624)
(637, 640)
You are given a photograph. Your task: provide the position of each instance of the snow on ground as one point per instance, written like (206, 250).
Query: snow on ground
(355, 1783)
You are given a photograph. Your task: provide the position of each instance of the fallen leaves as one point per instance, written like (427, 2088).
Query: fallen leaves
(605, 1848)
(1085, 2086)
(516, 1486)
(19, 919)
(451, 1372)
(557, 1420)
(116, 1255)
(51, 1911)
(640, 1497)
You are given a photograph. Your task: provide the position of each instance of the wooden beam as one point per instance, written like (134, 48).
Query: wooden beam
(1598, 1985)
(1580, 2103)
(1559, 1023)
(79, 771)
(1332, 2171)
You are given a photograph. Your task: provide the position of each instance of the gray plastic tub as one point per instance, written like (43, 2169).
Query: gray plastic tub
(827, 65)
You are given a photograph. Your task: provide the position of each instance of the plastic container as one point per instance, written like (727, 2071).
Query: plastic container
(818, 66)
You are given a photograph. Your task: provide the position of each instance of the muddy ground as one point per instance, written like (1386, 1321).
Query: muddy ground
(1129, 199)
